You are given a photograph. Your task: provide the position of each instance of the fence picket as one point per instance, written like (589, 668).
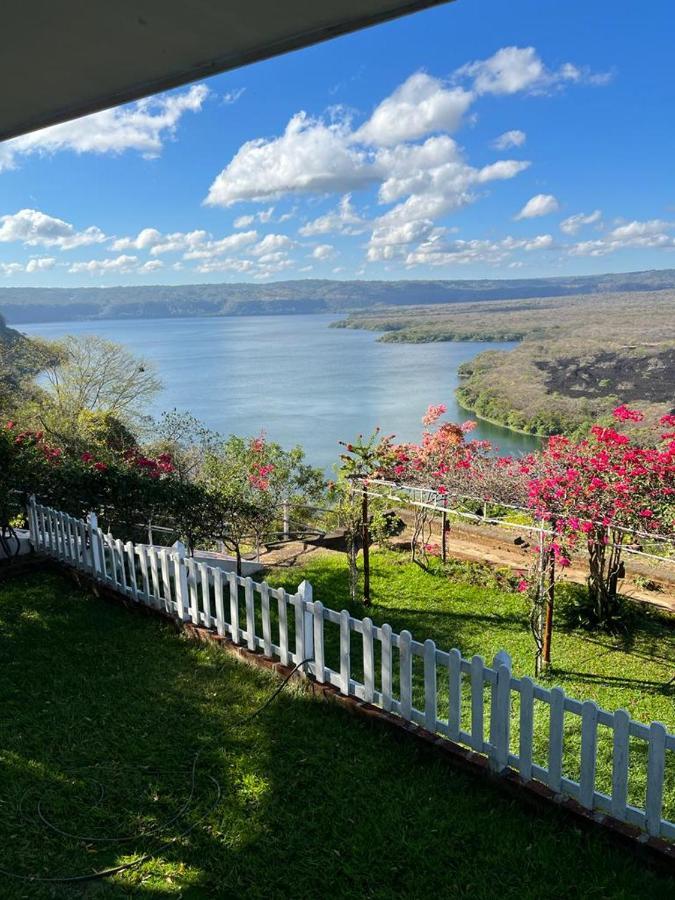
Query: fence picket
(368, 661)
(555, 738)
(282, 604)
(131, 562)
(656, 770)
(526, 727)
(589, 750)
(620, 757)
(233, 585)
(430, 701)
(345, 652)
(180, 575)
(454, 694)
(405, 661)
(164, 559)
(220, 605)
(299, 605)
(500, 713)
(250, 613)
(145, 575)
(266, 620)
(386, 667)
(205, 582)
(189, 564)
(319, 658)
(154, 571)
(477, 680)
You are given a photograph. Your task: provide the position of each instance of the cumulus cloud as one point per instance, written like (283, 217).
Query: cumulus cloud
(142, 126)
(539, 205)
(40, 263)
(343, 220)
(574, 223)
(418, 107)
(438, 252)
(312, 156)
(120, 264)
(513, 138)
(208, 249)
(652, 234)
(515, 69)
(11, 268)
(37, 229)
(324, 251)
(148, 237)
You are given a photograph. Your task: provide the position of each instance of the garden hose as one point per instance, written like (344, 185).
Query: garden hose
(156, 830)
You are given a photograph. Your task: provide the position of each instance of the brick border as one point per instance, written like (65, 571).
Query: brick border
(655, 851)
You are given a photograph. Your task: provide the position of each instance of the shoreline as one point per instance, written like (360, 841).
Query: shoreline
(530, 434)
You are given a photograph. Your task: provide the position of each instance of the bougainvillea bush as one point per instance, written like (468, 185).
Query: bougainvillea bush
(603, 494)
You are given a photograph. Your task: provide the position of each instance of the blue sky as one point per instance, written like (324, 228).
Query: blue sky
(479, 139)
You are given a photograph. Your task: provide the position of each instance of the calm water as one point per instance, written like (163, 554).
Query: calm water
(294, 377)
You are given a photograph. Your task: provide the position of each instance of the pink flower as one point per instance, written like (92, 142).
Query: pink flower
(523, 586)
(86, 457)
(623, 414)
(434, 413)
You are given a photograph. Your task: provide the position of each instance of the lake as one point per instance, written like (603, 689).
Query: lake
(295, 378)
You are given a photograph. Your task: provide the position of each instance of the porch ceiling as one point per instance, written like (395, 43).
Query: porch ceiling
(61, 59)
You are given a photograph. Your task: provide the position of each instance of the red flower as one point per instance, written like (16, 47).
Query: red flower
(100, 466)
(86, 457)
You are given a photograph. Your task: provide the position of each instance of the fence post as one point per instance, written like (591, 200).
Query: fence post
(32, 523)
(500, 712)
(286, 520)
(94, 549)
(180, 580)
(305, 592)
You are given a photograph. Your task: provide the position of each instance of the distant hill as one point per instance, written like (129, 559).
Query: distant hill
(292, 297)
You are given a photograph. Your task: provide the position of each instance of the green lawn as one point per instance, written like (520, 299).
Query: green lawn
(634, 671)
(314, 802)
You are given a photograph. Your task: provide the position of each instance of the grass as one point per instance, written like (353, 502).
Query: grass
(314, 802)
(634, 672)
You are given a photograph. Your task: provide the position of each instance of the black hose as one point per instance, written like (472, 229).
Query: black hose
(115, 870)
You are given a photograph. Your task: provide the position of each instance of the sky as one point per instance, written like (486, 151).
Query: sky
(480, 139)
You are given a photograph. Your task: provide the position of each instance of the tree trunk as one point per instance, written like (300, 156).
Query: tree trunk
(444, 536)
(548, 614)
(365, 525)
(238, 555)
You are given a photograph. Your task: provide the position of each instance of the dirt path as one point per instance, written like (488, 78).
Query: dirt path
(492, 545)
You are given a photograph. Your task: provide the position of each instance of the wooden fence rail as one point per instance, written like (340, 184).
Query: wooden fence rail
(482, 707)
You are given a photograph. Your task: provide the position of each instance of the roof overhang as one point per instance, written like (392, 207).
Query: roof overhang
(61, 59)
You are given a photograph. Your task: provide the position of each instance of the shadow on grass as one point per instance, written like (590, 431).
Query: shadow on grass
(315, 803)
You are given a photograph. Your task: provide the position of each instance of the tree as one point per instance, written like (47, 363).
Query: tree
(94, 376)
(602, 492)
(21, 360)
(248, 480)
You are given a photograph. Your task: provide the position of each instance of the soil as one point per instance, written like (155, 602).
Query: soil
(495, 546)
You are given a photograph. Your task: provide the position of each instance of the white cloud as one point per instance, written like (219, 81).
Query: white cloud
(232, 96)
(272, 243)
(438, 252)
(343, 220)
(539, 205)
(429, 180)
(419, 106)
(513, 138)
(208, 249)
(312, 156)
(180, 242)
(244, 221)
(653, 234)
(573, 223)
(37, 229)
(11, 268)
(324, 251)
(40, 263)
(514, 69)
(148, 237)
(142, 126)
(152, 265)
(121, 264)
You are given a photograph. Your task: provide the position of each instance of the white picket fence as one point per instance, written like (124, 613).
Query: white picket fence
(451, 692)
